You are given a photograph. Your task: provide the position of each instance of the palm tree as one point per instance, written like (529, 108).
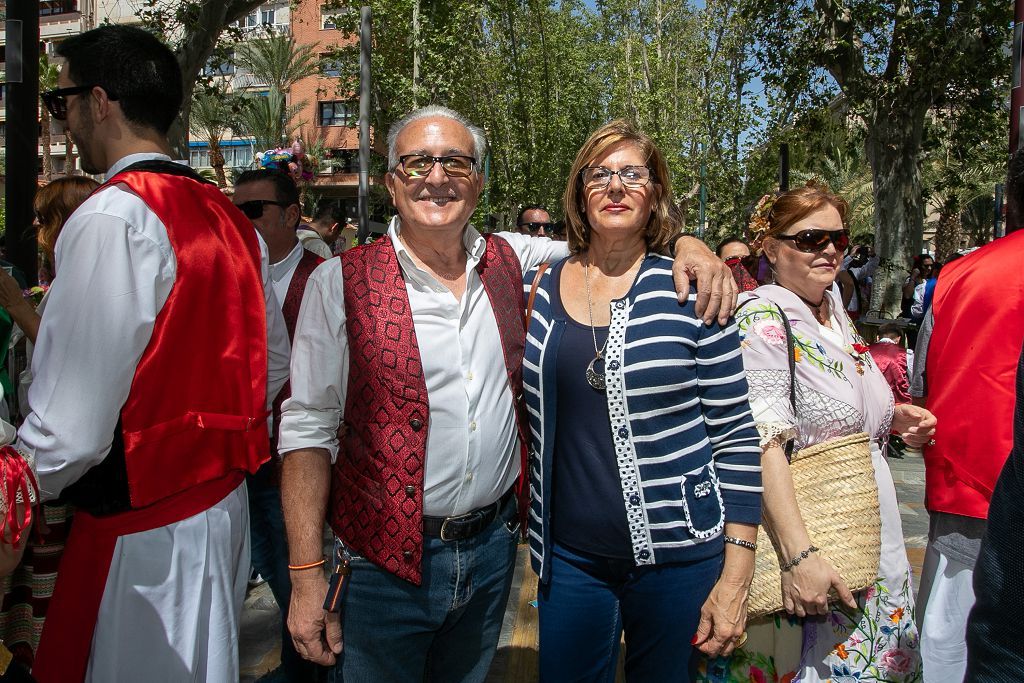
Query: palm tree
(213, 114)
(277, 60)
(48, 74)
(267, 118)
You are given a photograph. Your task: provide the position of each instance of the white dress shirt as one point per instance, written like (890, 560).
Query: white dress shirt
(472, 453)
(116, 269)
(282, 271)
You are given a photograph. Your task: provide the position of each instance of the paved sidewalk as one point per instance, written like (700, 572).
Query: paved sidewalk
(260, 634)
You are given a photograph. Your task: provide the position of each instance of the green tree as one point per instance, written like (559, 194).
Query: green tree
(267, 118)
(214, 112)
(893, 62)
(193, 29)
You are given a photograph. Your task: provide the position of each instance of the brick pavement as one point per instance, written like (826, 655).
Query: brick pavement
(260, 635)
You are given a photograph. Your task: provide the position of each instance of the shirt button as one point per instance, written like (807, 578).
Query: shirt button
(416, 425)
(644, 554)
(469, 476)
(472, 426)
(614, 365)
(634, 499)
(623, 433)
(469, 376)
(410, 490)
(620, 305)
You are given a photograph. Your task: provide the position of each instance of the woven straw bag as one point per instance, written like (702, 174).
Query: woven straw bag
(837, 494)
(838, 500)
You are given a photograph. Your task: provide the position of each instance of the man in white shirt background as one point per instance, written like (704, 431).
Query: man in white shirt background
(270, 199)
(415, 345)
(152, 369)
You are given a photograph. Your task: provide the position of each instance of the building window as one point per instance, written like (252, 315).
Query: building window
(330, 17)
(336, 113)
(267, 16)
(330, 67)
(49, 8)
(215, 68)
(199, 158)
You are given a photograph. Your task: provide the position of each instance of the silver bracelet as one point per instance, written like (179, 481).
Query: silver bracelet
(798, 559)
(741, 543)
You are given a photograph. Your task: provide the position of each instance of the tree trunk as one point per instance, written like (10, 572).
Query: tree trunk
(894, 145)
(948, 232)
(69, 154)
(44, 131)
(217, 162)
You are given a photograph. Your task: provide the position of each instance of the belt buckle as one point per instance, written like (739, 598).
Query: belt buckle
(444, 524)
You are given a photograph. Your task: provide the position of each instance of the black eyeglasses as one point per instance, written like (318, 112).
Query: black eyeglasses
(813, 240)
(420, 165)
(56, 101)
(253, 209)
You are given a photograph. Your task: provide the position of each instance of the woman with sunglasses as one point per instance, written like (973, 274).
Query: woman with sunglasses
(839, 391)
(644, 481)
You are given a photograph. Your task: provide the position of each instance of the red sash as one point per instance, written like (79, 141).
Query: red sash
(63, 653)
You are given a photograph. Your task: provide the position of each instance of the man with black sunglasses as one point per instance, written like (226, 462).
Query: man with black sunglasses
(270, 199)
(413, 347)
(161, 342)
(534, 219)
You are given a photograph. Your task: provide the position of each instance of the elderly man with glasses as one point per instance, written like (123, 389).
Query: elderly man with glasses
(413, 347)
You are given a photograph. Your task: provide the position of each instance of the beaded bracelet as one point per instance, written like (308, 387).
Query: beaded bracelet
(798, 559)
(311, 565)
(741, 543)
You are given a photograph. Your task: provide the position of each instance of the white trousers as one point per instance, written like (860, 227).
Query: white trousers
(946, 599)
(173, 600)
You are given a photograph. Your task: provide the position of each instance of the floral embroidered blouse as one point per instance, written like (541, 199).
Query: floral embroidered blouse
(839, 389)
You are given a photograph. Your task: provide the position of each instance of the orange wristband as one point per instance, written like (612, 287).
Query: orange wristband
(311, 565)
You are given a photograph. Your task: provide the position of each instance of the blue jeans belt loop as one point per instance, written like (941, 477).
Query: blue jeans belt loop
(465, 526)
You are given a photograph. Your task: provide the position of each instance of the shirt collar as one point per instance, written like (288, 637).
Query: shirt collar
(280, 269)
(886, 340)
(472, 241)
(126, 161)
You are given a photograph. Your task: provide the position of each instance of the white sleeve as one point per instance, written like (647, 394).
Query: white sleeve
(114, 279)
(319, 369)
(278, 348)
(533, 251)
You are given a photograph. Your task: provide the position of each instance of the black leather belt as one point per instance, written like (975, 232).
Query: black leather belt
(467, 525)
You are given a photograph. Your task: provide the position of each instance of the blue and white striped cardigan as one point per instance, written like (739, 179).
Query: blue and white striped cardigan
(685, 441)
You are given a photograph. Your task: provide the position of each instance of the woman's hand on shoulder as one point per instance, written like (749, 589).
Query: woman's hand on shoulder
(914, 424)
(805, 587)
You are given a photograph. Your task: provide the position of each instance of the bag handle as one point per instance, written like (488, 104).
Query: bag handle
(533, 294)
(791, 353)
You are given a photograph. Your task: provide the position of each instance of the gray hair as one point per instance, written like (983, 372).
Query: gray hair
(435, 111)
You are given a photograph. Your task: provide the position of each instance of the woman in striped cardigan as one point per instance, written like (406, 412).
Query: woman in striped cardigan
(645, 469)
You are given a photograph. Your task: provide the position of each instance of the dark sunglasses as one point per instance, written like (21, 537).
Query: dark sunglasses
(535, 227)
(253, 209)
(813, 240)
(56, 101)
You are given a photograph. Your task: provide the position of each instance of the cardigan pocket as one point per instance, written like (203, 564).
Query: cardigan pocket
(702, 502)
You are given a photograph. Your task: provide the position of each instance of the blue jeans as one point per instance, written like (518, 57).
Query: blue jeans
(443, 630)
(270, 558)
(591, 599)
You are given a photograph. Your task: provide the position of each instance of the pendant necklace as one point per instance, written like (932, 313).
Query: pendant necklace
(595, 378)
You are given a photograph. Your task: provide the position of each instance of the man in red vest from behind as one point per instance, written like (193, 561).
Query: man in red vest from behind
(152, 369)
(968, 347)
(415, 344)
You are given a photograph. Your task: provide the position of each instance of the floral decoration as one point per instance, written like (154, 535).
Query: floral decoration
(760, 223)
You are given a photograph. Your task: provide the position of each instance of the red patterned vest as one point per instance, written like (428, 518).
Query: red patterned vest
(196, 411)
(971, 365)
(377, 480)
